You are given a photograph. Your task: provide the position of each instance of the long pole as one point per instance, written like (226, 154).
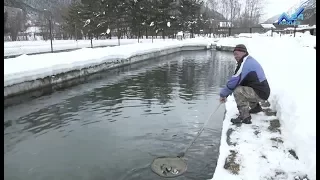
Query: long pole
(204, 125)
(75, 29)
(50, 34)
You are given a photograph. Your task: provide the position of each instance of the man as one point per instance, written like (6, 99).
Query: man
(248, 85)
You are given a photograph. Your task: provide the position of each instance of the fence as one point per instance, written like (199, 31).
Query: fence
(34, 44)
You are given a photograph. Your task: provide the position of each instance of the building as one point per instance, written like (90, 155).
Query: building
(302, 29)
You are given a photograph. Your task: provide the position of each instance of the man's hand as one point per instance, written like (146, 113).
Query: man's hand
(223, 99)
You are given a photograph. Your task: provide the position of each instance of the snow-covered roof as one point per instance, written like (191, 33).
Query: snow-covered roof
(301, 28)
(268, 26)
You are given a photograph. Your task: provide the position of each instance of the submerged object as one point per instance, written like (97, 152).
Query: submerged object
(169, 166)
(175, 166)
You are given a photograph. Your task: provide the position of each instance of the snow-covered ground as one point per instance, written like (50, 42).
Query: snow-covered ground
(290, 67)
(31, 67)
(29, 47)
(305, 39)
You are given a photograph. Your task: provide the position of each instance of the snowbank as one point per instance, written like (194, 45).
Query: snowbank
(25, 69)
(304, 39)
(31, 47)
(291, 71)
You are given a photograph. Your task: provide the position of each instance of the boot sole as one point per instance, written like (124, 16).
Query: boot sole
(255, 112)
(250, 122)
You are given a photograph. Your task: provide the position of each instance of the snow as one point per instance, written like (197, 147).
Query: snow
(180, 33)
(28, 47)
(33, 29)
(289, 64)
(31, 67)
(87, 22)
(301, 27)
(268, 26)
(304, 39)
(291, 71)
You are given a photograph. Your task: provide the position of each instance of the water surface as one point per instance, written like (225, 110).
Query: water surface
(112, 128)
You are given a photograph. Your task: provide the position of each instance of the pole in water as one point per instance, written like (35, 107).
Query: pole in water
(175, 166)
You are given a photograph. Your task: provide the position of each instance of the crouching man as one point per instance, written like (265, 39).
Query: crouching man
(249, 85)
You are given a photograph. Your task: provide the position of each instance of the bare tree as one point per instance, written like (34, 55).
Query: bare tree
(245, 13)
(213, 4)
(235, 9)
(252, 13)
(230, 9)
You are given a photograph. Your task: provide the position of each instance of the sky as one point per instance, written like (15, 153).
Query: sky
(274, 7)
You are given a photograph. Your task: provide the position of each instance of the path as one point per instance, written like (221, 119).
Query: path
(258, 151)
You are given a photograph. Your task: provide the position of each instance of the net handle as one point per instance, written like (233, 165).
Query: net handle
(199, 132)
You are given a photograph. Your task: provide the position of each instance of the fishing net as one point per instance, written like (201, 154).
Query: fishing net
(175, 166)
(169, 166)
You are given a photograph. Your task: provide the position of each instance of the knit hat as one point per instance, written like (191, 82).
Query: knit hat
(240, 47)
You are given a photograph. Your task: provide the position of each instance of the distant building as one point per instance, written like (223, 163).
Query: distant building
(226, 23)
(302, 28)
(180, 35)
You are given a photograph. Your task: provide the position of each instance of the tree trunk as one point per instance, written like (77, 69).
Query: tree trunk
(119, 34)
(13, 35)
(91, 40)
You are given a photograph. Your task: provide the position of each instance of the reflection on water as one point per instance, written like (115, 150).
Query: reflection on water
(112, 128)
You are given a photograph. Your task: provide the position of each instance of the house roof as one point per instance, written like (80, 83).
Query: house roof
(268, 26)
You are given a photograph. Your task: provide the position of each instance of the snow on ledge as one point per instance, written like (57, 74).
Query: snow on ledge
(31, 67)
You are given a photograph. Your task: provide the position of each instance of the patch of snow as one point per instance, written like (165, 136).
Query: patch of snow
(180, 33)
(33, 29)
(100, 24)
(247, 35)
(86, 23)
(268, 26)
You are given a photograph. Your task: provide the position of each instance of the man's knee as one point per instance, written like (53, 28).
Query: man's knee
(239, 95)
(246, 93)
(239, 91)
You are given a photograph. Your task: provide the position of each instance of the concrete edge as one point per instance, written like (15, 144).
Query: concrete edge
(57, 81)
(225, 48)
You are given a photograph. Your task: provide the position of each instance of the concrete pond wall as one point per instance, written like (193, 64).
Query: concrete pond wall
(17, 93)
(225, 48)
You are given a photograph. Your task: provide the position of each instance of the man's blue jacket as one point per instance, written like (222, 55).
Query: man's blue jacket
(248, 73)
